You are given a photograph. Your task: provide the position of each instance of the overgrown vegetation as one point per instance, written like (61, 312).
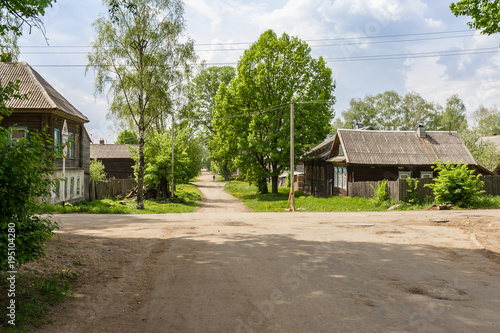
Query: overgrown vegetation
(381, 194)
(411, 192)
(457, 185)
(187, 201)
(97, 173)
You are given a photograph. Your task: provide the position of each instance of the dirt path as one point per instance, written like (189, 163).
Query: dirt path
(215, 199)
(220, 270)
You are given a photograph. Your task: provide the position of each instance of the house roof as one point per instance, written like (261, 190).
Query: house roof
(321, 151)
(41, 94)
(403, 147)
(112, 151)
(495, 139)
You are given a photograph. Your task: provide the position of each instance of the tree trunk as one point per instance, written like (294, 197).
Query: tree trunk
(262, 186)
(274, 182)
(140, 171)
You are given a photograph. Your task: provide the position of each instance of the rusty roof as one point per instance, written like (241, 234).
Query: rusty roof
(403, 147)
(112, 151)
(41, 95)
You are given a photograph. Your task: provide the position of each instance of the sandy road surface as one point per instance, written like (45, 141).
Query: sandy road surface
(232, 271)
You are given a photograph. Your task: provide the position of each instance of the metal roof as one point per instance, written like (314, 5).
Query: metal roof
(41, 95)
(112, 151)
(403, 147)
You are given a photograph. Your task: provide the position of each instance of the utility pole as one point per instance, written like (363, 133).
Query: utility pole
(292, 159)
(173, 138)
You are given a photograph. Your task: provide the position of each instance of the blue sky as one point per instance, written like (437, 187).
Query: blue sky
(344, 32)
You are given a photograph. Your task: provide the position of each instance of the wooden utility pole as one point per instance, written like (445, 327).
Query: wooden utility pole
(173, 138)
(292, 159)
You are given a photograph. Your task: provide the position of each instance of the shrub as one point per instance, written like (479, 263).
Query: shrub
(381, 195)
(97, 173)
(411, 192)
(25, 169)
(456, 184)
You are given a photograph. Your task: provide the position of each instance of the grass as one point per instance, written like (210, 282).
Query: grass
(278, 202)
(187, 201)
(34, 296)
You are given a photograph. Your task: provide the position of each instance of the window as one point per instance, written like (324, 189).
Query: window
(57, 140)
(341, 150)
(18, 133)
(404, 174)
(71, 153)
(77, 186)
(57, 190)
(72, 187)
(335, 177)
(65, 188)
(426, 174)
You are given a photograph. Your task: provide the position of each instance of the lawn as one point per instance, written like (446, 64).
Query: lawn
(278, 202)
(187, 201)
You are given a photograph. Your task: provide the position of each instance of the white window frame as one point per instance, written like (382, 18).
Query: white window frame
(404, 174)
(335, 179)
(344, 178)
(426, 174)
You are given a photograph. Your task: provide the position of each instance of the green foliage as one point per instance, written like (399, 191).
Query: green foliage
(391, 111)
(411, 192)
(485, 14)
(272, 72)
(127, 137)
(138, 55)
(158, 156)
(35, 293)
(278, 202)
(484, 151)
(486, 122)
(456, 184)
(381, 193)
(25, 170)
(187, 201)
(97, 173)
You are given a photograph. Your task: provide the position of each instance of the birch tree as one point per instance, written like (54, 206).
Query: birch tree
(139, 60)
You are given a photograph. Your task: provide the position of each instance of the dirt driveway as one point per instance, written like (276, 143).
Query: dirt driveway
(224, 270)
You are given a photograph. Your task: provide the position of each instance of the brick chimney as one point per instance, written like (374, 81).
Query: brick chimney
(101, 141)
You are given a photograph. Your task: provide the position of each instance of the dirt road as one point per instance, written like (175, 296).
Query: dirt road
(224, 270)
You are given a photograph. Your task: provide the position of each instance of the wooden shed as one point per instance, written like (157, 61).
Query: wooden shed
(117, 159)
(47, 109)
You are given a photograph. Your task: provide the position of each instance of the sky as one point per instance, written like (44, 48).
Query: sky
(371, 45)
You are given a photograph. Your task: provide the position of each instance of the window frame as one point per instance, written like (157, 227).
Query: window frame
(401, 173)
(25, 128)
(57, 139)
(430, 174)
(71, 140)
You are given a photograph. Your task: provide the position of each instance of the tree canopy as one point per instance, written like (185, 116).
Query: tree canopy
(485, 14)
(138, 56)
(128, 137)
(252, 113)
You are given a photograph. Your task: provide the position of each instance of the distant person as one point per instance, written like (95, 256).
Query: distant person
(214, 178)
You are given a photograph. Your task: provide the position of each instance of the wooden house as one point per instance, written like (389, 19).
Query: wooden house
(46, 109)
(117, 159)
(369, 155)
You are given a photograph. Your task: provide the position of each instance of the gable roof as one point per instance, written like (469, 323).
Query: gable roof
(112, 151)
(41, 94)
(403, 147)
(321, 151)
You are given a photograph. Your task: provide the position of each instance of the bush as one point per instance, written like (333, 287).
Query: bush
(411, 192)
(381, 195)
(456, 184)
(97, 173)
(25, 170)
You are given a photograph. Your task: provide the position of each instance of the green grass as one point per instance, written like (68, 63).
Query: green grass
(187, 201)
(34, 296)
(278, 202)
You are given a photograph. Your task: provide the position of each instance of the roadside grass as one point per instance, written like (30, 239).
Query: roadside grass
(35, 294)
(187, 201)
(278, 202)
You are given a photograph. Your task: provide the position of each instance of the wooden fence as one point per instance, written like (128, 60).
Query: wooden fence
(111, 188)
(398, 189)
